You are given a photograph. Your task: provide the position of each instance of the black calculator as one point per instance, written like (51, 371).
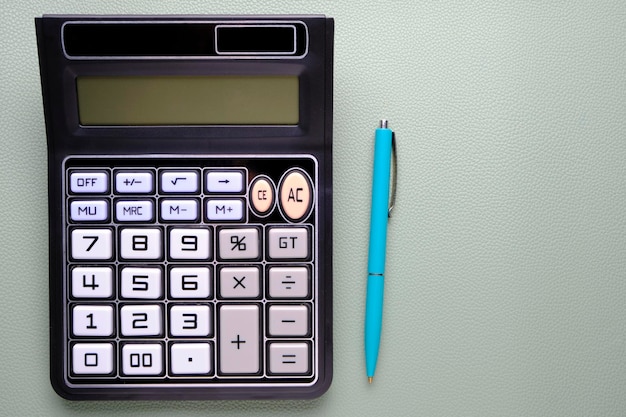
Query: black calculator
(190, 205)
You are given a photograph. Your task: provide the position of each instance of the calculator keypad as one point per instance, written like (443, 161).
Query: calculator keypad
(195, 271)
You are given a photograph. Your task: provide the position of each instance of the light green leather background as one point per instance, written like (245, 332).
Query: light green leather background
(506, 279)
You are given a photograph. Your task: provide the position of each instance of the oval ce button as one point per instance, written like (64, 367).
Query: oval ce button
(295, 195)
(262, 195)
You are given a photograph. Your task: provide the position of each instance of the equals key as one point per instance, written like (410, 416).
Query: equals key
(289, 358)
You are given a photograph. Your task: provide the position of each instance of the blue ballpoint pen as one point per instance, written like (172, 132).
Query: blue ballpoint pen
(382, 204)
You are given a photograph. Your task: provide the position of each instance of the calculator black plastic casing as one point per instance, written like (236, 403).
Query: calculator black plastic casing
(67, 138)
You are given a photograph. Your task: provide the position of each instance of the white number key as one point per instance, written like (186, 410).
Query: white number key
(142, 359)
(92, 320)
(190, 320)
(190, 243)
(141, 320)
(92, 358)
(145, 283)
(190, 282)
(93, 244)
(141, 243)
(92, 282)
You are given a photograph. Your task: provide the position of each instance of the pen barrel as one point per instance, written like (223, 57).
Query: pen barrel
(373, 320)
(380, 201)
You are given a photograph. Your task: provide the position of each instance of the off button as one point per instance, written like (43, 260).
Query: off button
(296, 195)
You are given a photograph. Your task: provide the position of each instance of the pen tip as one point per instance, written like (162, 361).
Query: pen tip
(370, 379)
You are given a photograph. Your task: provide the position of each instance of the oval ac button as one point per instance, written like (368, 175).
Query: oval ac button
(295, 195)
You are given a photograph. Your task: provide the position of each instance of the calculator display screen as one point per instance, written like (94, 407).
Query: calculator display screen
(188, 100)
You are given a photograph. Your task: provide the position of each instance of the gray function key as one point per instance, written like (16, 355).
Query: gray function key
(239, 341)
(288, 282)
(239, 244)
(89, 182)
(179, 182)
(134, 182)
(224, 182)
(289, 358)
(240, 282)
(288, 320)
(288, 243)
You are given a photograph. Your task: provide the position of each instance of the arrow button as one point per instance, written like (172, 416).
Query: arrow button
(225, 182)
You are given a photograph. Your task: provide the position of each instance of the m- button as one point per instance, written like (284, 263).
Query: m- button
(295, 195)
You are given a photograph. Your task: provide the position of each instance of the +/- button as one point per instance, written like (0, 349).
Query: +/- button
(140, 182)
(296, 195)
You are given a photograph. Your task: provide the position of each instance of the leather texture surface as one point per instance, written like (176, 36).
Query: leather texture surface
(506, 269)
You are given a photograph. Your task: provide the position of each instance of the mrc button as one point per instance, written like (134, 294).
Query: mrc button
(295, 195)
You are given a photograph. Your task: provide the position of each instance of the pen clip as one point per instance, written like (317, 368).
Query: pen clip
(394, 173)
